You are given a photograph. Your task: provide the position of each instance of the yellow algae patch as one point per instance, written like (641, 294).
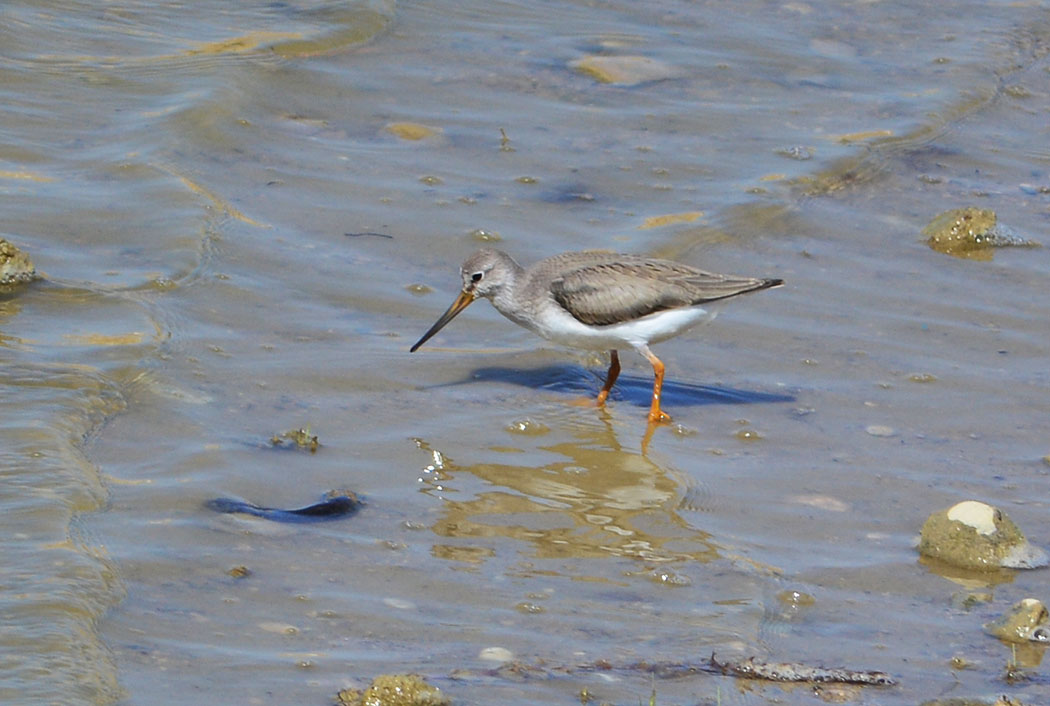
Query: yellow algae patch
(25, 176)
(219, 202)
(411, 131)
(670, 219)
(773, 177)
(861, 136)
(99, 339)
(623, 70)
(243, 44)
(114, 480)
(358, 27)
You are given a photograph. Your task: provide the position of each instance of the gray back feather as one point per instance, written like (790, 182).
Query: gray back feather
(628, 287)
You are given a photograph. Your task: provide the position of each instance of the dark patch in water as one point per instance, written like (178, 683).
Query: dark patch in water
(335, 505)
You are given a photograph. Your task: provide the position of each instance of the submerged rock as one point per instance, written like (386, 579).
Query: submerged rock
(971, 233)
(623, 70)
(394, 690)
(296, 438)
(1001, 701)
(974, 535)
(1025, 622)
(752, 668)
(15, 265)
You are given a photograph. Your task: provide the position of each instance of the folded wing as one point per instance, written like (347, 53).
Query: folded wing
(629, 288)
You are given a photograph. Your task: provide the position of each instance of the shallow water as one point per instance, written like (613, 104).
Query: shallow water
(238, 240)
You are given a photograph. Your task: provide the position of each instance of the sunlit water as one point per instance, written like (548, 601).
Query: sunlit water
(239, 238)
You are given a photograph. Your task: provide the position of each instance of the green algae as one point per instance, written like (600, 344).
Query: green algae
(394, 690)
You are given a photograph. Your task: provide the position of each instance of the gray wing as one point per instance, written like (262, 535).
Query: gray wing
(627, 288)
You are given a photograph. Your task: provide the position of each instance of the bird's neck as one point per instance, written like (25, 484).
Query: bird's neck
(505, 299)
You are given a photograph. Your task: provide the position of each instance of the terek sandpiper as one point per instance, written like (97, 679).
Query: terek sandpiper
(596, 300)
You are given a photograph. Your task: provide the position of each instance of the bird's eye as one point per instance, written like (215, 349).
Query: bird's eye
(476, 277)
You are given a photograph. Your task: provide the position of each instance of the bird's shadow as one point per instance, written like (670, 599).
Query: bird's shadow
(633, 389)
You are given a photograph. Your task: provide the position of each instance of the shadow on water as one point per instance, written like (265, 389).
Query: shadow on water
(633, 389)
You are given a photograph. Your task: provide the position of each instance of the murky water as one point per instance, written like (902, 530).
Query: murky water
(240, 236)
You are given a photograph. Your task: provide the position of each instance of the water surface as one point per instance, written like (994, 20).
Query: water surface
(239, 239)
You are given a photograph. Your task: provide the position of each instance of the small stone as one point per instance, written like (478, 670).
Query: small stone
(796, 599)
(296, 438)
(968, 600)
(971, 233)
(485, 236)
(1026, 621)
(279, 628)
(881, 430)
(15, 265)
(667, 577)
(239, 572)
(796, 152)
(529, 608)
(496, 654)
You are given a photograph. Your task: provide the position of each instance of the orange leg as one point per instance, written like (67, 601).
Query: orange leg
(655, 413)
(614, 372)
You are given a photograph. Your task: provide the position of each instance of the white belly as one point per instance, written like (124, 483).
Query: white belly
(559, 326)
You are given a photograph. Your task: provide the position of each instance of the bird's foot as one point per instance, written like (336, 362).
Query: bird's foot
(658, 416)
